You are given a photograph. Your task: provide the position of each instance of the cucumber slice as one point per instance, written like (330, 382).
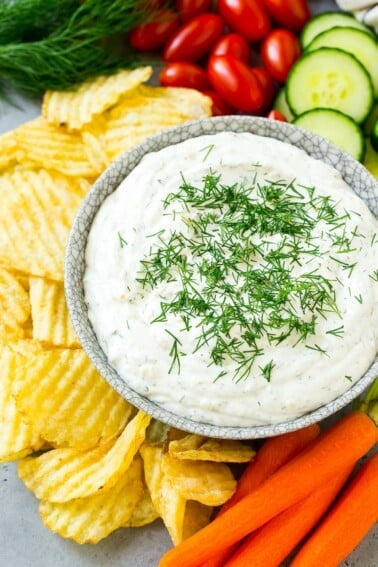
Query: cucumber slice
(371, 120)
(326, 21)
(336, 127)
(374, 137)
(371, 159)
(359, 43)
(330, 78)
(281, 104)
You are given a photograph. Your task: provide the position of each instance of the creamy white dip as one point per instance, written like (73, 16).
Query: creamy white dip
(288, 378)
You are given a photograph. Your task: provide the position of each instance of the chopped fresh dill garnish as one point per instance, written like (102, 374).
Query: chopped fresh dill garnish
(232, 260)
(338, 332)
(208, 152)
(317, 348)
(345, 266)
(267, 370)
(348, 378)
(358, 298)
(174, 353)
(121, 240)
(374, 275)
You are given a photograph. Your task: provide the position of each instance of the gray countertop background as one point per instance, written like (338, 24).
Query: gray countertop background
(25, 542)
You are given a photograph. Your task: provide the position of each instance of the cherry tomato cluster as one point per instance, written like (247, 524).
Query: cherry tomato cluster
(212, 52)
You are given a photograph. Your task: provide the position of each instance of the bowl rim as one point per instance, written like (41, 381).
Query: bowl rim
(107, 183)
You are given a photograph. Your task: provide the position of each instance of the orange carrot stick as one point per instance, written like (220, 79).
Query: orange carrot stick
(347, 523)
(335, 449)
(275, 452)
(271, 544)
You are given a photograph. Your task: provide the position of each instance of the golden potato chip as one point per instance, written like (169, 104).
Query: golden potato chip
(88, 520)
(96, 150)
(14, 307)
(64, 474)
(209, 483)
(146, 111)
(78, 107)
(36, 213)
(54, 147)
(166, 499)
(175, 434)
(62, 394)
(10, 152)
(51, 321)
(18, 438)
(198, 448)
(197, 516)
(157, 431)
(144, 512)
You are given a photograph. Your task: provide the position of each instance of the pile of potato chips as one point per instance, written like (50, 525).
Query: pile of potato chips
(94, 461)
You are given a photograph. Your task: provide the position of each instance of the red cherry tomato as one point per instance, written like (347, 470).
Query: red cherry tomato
(276, 115)
(235, 82)
(267, 85)
(152, 36)
(279, 51)
(292, 14)
(233, 44)
(247, 17)
(184, 74)
(189, 9)
(219, 106)
(194, 39)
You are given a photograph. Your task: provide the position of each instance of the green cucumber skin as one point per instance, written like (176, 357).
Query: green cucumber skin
(335, 115)
(374, 137)
(280, 103)
(371, 119)
(329, 16)
(357, 36)
(327, 49)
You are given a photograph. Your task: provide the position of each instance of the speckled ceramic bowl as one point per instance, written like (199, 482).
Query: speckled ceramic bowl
(353, 173)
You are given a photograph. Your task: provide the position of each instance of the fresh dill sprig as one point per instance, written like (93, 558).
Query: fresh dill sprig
(55, 45)
(239, 286)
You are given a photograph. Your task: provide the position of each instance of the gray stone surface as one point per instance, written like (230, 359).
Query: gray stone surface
(25, 542)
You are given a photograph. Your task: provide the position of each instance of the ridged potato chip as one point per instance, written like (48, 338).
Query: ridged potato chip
(88, 520)
(96, 149)
(10, 152)
(17, 438)
(64, 397)
(36, 213)
(14, 307)
(147, 110)
(199, 448)
(144, 512)
(54, 147)
(166, 499)
(209, 483)
(51, 321)
(76, 108)
(64, 474)
(197, 516)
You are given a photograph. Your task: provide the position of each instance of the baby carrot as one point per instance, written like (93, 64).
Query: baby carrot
(335, 449)
(275, 452)
(347, 523)
(271, 544)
